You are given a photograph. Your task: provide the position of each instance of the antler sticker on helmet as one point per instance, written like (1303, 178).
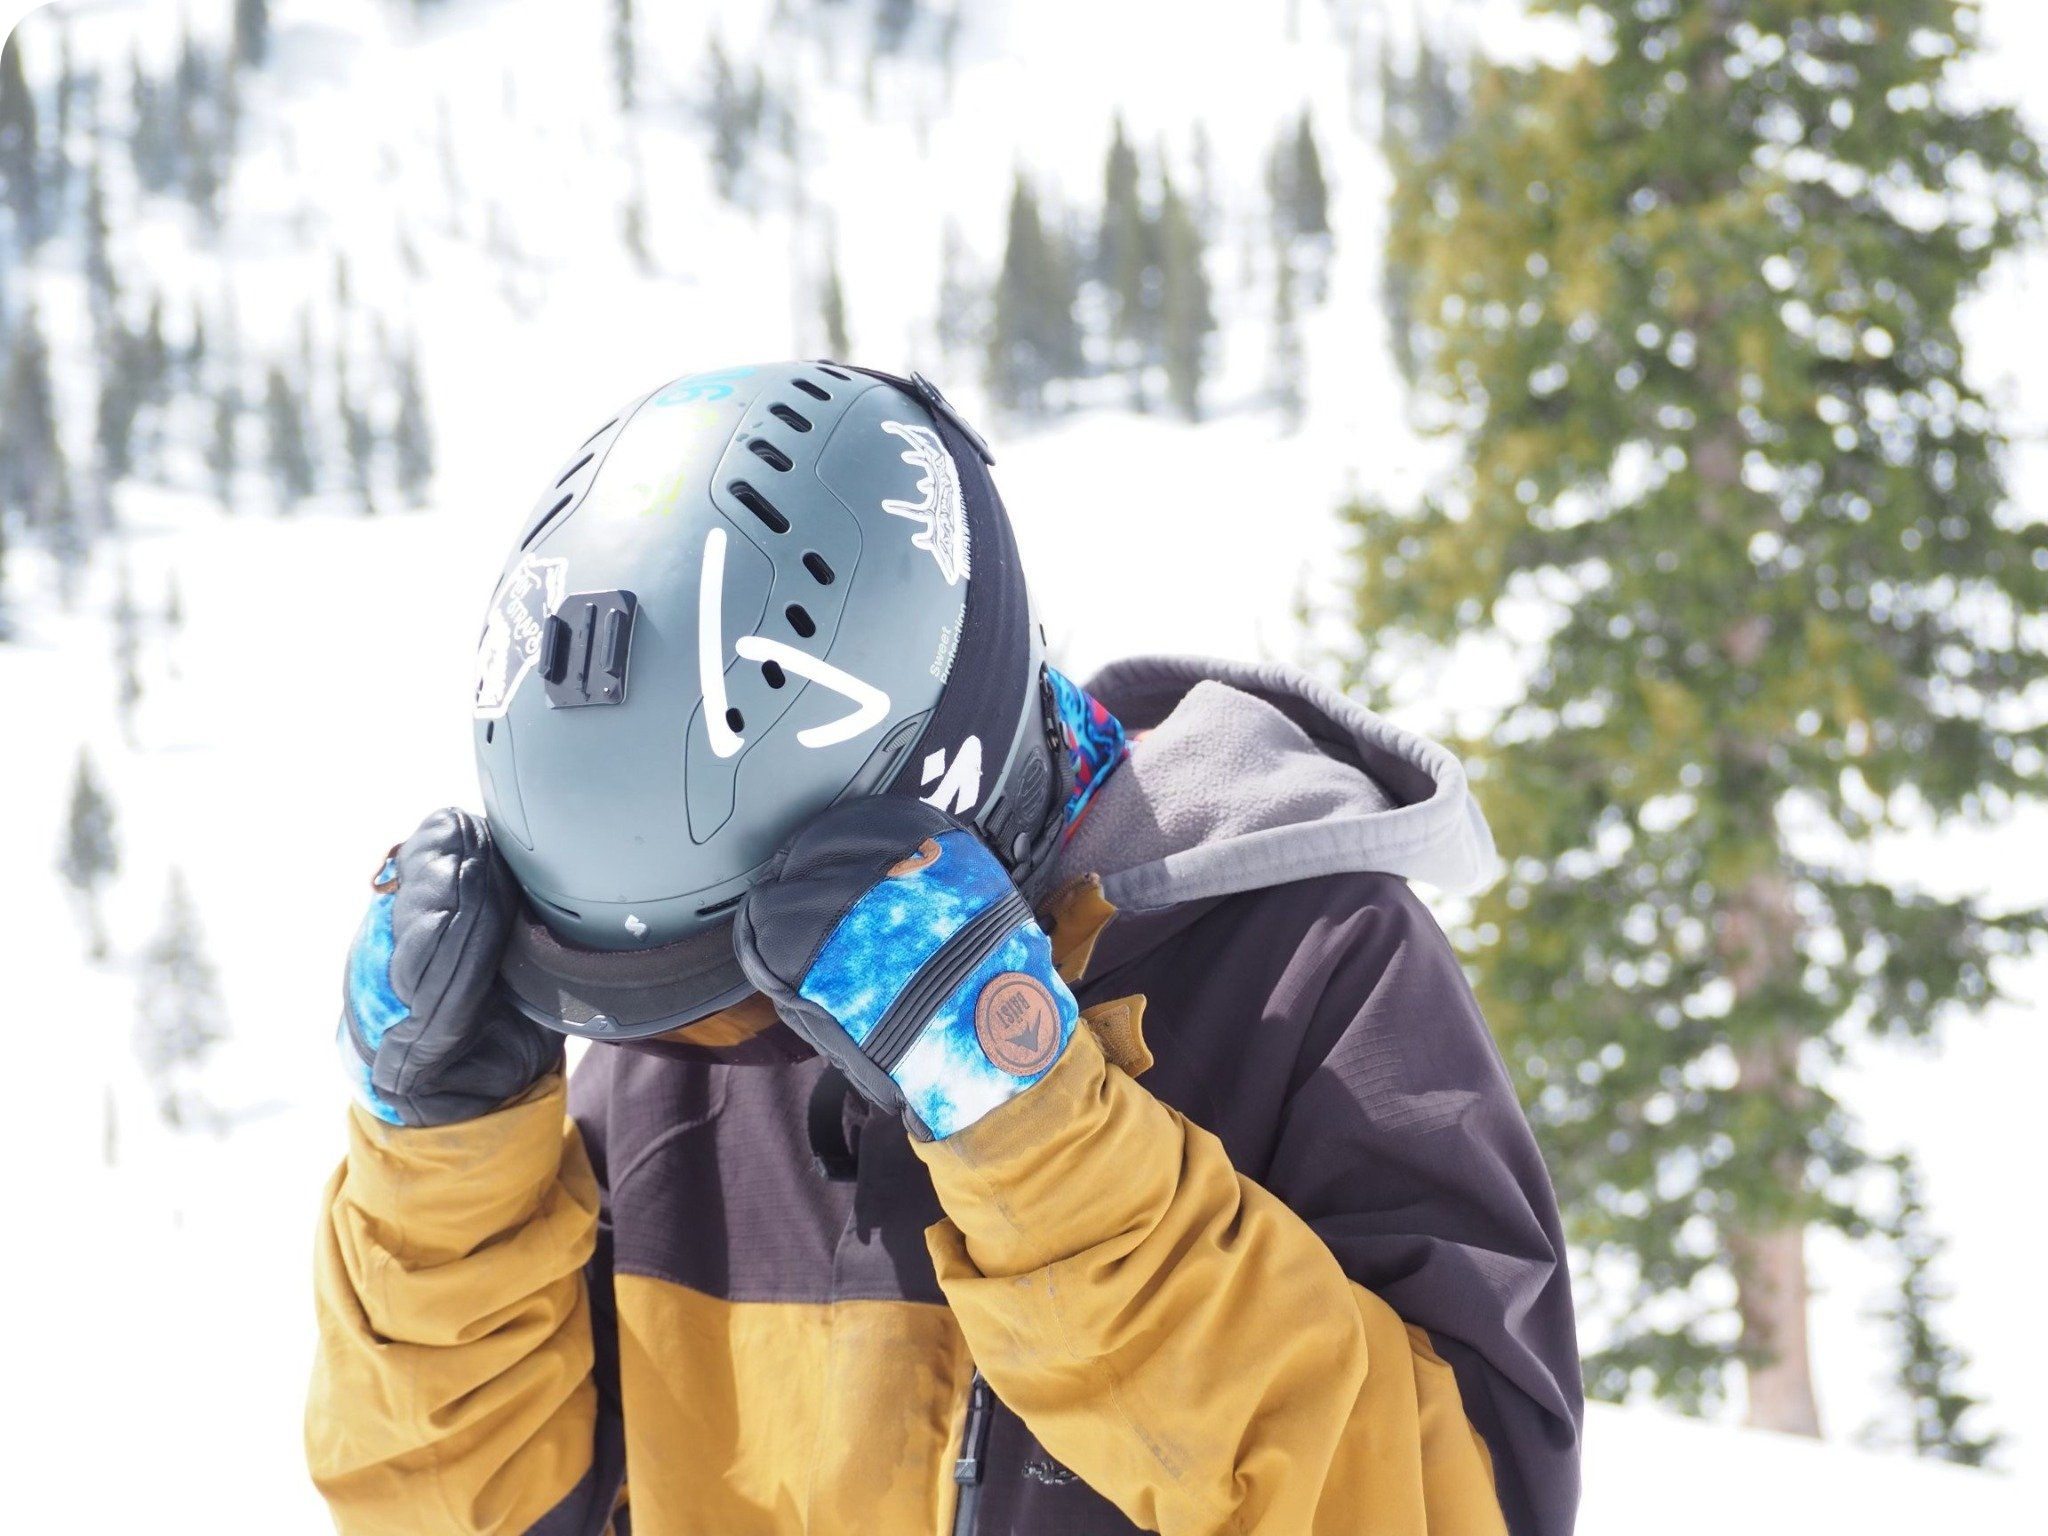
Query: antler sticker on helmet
(871, 704)
(943, 510)
(512, 630)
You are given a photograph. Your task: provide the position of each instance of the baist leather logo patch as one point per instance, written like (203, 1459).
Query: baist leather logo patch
(1017, 1024)
(926, 856)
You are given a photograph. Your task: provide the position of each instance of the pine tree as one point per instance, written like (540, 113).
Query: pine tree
(1203, 158)
(90, 856)
(1301, 202)
(60, 141)
(1124, 258)
(21, 153)
(893, 21)
(1929, 1365)
(624, 65)
(412, 436)
(358, 442)
(1288, 362)
(66, 537)
(832, 310)
(1421, 111)
(102, 288)
(174, 606)
(1185, 316)
(289, 458)
(223, 447)
(153, 136)
(58, 171)
(127, 656)
(227, 126)
(735, 113)
(252, 31)
(1713, 403)
(1033, 338)
(153, 355)
(633, 228)
(29, 455)
(1309, 193)
(195, 112)
(179, 1019)
(123, 389)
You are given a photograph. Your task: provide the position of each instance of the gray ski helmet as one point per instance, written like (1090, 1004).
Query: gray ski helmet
(752, 593)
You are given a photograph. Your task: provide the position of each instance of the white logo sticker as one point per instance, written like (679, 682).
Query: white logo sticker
(871, 705)
(959, 788)
(943, 511)
(512, 629)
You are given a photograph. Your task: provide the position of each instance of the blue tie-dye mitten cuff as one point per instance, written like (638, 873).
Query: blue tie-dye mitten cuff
(425, 1036)
(893, 941)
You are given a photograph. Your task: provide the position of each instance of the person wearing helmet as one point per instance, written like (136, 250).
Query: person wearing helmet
(1011, 1107)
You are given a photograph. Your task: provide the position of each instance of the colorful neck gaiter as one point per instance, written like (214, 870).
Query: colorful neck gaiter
(1095, 743)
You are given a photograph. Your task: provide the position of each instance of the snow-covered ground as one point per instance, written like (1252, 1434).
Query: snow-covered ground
(313, 705)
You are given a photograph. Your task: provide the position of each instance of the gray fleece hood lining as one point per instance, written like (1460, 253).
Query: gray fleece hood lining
(1264, 777)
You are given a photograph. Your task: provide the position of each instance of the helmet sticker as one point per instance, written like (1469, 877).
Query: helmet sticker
(871, 704)
(512, 629)
(711, 645)
(942, 509)
(702, 386)
(959, 782)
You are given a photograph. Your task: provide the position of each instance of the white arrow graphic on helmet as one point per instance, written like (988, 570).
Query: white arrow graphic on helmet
(871, 704)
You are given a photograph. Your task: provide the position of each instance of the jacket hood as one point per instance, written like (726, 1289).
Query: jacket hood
(1254, 774)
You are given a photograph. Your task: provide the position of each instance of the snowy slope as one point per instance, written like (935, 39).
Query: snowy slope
(318, 703)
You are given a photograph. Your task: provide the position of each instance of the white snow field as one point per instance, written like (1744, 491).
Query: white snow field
(314, 704)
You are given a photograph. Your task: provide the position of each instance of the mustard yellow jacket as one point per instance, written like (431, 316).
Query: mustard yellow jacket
(655, 1315)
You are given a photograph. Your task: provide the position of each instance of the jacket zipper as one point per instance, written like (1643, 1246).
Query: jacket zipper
(968, 1470)
(981, 936)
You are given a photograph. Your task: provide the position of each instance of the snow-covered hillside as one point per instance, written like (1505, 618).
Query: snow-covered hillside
(312, 705)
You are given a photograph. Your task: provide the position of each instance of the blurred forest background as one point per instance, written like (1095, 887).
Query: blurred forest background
(1633, 392)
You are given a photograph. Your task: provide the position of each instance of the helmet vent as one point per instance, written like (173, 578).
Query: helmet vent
(800, 621)
(772, 671)
(573, 468)
(815, 564)
(726, 905)
(828, 368)
(736, 720)
(790, 417)
(815, 391)
(545, 518)
(770, 455)
(600, 432)
(759, 505)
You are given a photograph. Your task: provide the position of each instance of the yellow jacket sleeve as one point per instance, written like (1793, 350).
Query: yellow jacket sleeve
(452, 1390)
(1178, 1337)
